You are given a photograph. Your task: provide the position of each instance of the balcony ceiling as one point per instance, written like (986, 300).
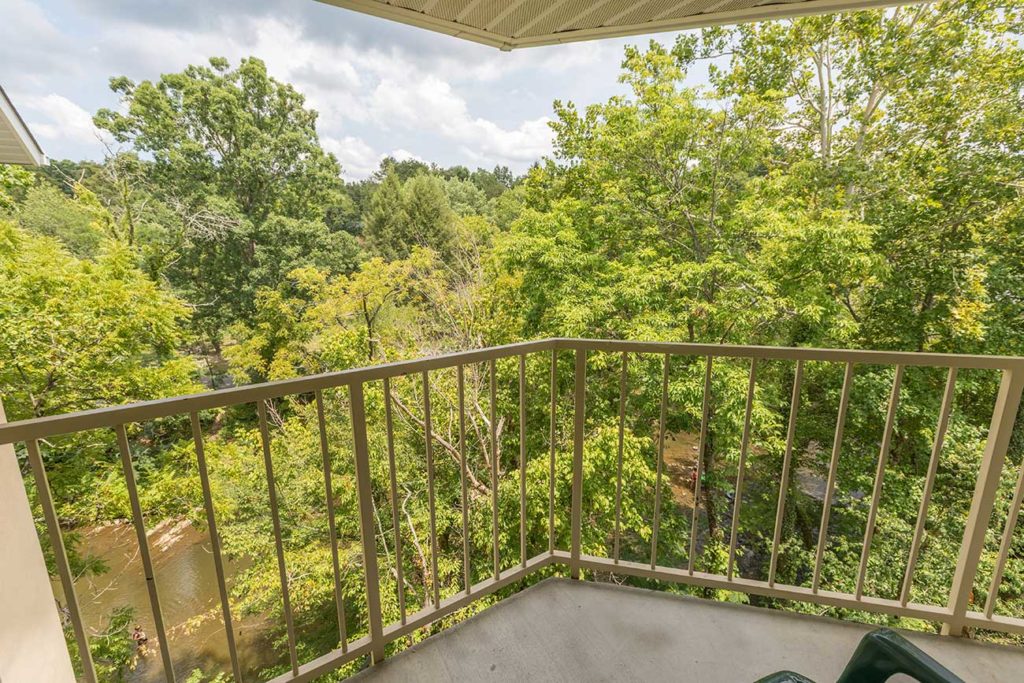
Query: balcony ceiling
(509, 24)
(17, 146)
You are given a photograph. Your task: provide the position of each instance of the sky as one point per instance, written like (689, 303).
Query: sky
(381, 88)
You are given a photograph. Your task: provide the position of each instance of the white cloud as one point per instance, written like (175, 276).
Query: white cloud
(404, 155)
(386, 89)
(376, 85)
(431, 103)
(358, 160)
(33, 47)
(55, 118)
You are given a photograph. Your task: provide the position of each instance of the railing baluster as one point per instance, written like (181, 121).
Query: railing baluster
(876, 495)
(494, 467)
(147, 561)
(1004, 415)
(1004, 546)
(551, 464)
(579, 416)
(396, 524)
(463, 475)
(960, 610)
(218, 560)
(837, 444)
(332, 527)
(929, 483)
(787, 458)
(661, 457)
(364, 494)
(522, 460)
(60, 554)
(704, 415)
(261, 411)
(431, 500)
(618, 469)
(741, 467)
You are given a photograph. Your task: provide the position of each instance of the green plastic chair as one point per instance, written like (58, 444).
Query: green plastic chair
(881, 654)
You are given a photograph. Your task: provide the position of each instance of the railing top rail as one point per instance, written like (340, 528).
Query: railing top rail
(112, 416)
(794, 353)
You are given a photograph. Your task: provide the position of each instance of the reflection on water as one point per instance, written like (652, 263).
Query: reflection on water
(187, 583)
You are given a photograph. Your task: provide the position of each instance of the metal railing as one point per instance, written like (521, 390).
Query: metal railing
(955, 613)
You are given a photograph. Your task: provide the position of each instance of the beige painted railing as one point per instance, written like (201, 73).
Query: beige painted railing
(955, 613)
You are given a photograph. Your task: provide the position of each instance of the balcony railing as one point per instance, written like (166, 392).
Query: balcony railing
(954, 612)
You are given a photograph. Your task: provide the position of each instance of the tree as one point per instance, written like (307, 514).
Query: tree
(235, 132)
(465, 198)
(893, 114)
(428, 214)
(47, 212)
(402, 216)
(78, 334)
(403, 168)
(313, 322)
(14, 182)
(384, 220)
(493, 183)
(221, 270)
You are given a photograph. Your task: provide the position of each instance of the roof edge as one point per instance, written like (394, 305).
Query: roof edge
(28, 141)
(778, 10)
(425, 21)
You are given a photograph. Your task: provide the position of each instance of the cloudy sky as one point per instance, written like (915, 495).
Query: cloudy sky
(380, 87)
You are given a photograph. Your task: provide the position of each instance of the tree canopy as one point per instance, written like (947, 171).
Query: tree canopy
(234, 132)
(845, 181)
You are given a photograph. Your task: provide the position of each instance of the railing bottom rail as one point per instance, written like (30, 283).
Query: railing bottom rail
(955, 613)
(425, 617)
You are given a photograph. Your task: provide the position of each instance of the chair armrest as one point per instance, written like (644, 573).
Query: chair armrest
(884, 653)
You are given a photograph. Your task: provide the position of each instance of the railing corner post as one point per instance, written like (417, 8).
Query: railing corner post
(1004, 415)
(364, 492)
(579, 414)
(30, 630)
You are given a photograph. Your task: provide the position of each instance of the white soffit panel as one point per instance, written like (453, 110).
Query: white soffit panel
(17, 146)
(510, 24)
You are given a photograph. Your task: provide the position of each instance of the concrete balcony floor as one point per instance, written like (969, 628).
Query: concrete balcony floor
(562, 630)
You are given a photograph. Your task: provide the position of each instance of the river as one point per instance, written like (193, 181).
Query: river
(187, 583)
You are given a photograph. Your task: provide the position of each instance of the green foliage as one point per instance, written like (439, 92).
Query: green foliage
(313, 323)
(77, 334)
(197, 676)
(14, 181)
(384, 221)
(114, 653)
(113, 650)
(47, 212)
(234, 132)
(409, 214)
(238, 192)
(844, 181)
(465, 198)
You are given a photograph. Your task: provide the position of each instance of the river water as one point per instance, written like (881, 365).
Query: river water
(187, 584)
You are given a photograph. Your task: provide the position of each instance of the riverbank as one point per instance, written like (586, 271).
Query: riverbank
(186, 581)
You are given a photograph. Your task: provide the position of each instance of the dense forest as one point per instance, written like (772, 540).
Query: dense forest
(846, 181)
